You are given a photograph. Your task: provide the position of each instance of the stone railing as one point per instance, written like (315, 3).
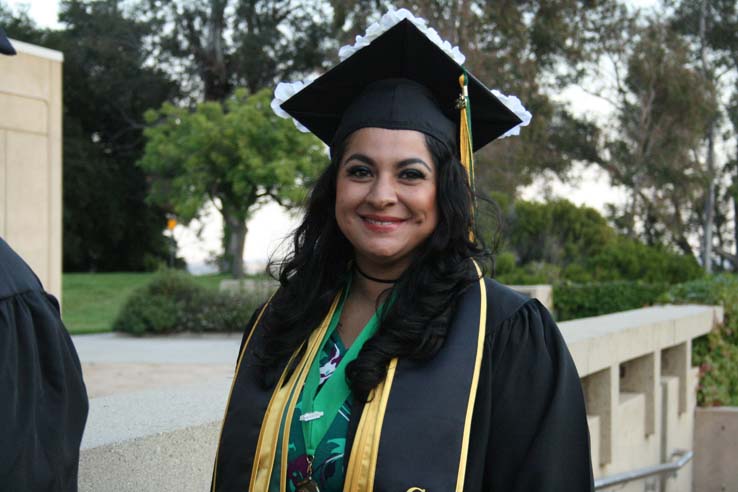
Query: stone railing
(635, 368)
(640, 387)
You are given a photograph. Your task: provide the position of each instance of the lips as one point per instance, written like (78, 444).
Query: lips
(381, 223)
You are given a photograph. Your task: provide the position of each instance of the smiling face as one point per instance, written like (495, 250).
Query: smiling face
(386, 197)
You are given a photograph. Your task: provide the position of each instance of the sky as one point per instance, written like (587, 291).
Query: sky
(44, 12)
(200, 240)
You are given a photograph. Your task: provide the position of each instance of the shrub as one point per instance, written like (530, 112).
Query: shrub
(556, 232)
(716, 354)
(627, 259)
(573, 301)
(557, 240)
(530, 274)
(173, 302)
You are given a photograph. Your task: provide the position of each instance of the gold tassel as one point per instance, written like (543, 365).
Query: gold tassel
(465, 140)
(466, 147)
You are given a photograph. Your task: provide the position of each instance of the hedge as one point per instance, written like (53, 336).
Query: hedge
(716, 353)
(172, 302)
(573, 301)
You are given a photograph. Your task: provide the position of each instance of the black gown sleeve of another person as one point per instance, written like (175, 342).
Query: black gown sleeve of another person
(43, 401)
(529, 428)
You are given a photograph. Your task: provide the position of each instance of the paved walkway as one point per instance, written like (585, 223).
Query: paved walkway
(140, 386)
(174, 349)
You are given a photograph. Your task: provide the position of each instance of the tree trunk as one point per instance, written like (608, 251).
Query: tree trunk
(735, 216)
(709, 212)
(214, 73)
(236, 241)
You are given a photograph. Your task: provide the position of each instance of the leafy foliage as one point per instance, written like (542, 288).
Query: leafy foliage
(557, 241)
(573, 301)
(664, 109)
(234, 154)
(220, 45)
(716, 354)
(173, 302)
(711, 30)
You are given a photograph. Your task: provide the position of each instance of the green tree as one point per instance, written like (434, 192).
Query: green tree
(235, 154)
(711, 29)
(219, 45)
(555, 232)
(216, 46)
(108, 85)
(662, 107)
(557, 240)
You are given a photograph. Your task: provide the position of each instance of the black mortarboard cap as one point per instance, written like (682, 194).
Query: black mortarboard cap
(5, 47)
(401, 80)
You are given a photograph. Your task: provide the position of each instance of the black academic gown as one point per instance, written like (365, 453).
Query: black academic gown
(43, 401)
(528, 429)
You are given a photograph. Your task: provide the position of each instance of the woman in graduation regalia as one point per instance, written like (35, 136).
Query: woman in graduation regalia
(386, 361)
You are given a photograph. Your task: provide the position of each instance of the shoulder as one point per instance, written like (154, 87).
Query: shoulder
(15, 275)
(504, 307)
(503, 303)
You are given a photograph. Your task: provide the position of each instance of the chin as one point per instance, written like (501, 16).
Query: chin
(385, 257)
(383, 254)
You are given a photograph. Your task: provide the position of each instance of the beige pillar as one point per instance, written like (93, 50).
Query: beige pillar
(31, 159)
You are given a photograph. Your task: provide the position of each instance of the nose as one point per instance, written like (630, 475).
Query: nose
(382, 192)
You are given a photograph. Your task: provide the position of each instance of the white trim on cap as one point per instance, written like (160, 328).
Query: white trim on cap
(34, 50)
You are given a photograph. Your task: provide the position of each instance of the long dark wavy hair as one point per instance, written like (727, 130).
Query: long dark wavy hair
(319, 264)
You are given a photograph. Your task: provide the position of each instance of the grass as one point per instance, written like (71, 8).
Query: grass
(91, 301)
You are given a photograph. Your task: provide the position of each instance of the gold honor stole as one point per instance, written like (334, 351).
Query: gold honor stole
(413, 433)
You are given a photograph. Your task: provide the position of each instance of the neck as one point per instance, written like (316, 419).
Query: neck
(366, 287)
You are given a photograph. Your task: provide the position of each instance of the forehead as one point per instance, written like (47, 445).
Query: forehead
(385, 145)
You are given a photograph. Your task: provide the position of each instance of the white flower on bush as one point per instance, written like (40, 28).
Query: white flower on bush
(514, 105)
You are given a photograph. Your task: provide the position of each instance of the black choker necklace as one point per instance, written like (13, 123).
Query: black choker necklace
(373, 279)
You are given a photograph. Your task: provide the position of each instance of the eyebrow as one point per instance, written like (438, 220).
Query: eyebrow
(403, 163)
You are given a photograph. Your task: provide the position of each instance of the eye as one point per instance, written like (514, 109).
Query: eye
(358, 171)
(412, 174)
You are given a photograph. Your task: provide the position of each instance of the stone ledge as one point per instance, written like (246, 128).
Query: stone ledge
(179, 461)
(599, 342)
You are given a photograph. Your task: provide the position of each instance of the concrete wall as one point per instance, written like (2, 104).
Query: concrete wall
(31, 159)
(640, 388)
(716, 449)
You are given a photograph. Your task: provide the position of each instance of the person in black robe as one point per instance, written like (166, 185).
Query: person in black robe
(43, 400)
(465, 385)
(5, 47)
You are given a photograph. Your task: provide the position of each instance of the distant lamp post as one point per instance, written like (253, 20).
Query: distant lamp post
(171, 224)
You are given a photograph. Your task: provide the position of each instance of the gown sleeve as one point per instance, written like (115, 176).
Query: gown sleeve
(529, 430)
(43, 400)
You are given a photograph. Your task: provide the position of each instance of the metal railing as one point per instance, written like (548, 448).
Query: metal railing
(682, 458)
